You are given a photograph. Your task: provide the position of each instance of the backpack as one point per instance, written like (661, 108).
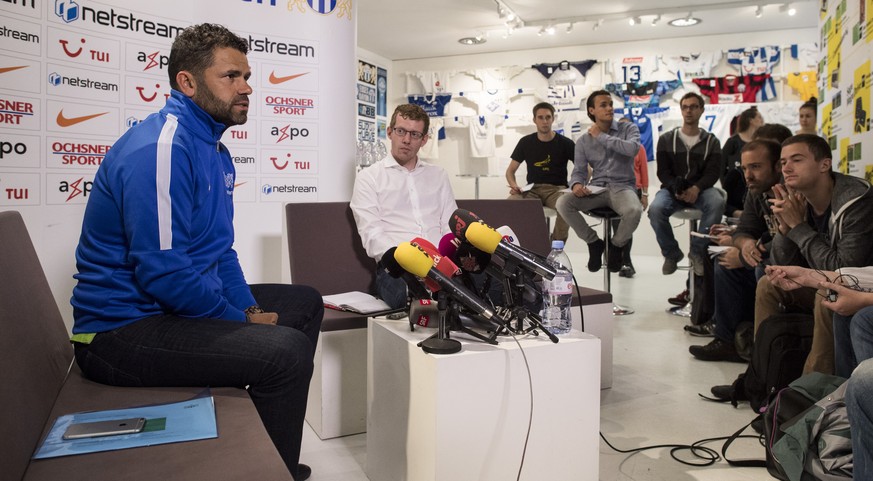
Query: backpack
(782, 343)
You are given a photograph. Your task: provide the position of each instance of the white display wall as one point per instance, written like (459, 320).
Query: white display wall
(76, 74)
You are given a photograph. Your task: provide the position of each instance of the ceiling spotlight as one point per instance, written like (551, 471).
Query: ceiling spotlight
(550, 30)
(634, 21)
(597, 24)
(569, 28)
(656, 20)
(759, 12)
(687, 21)
(788, 8)
(542, 31)
(472, 40)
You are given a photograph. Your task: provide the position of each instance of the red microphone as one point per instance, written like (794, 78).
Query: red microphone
(440, 262)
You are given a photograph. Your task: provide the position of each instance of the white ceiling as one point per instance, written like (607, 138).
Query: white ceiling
(409, 29)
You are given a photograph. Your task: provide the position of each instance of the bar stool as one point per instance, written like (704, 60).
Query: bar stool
(549, 212)
(607, 216)
(692, 216)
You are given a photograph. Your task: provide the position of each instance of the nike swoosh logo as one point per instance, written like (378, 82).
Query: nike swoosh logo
(237, 184)
(277, 80)
(10, 69)
(68, 122)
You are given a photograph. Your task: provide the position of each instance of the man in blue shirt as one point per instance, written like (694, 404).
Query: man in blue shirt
(160, 298)
(608, 148)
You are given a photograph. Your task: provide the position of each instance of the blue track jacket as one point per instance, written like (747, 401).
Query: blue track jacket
(157, 237)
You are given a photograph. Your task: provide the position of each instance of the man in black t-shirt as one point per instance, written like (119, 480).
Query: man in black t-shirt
(546, 153)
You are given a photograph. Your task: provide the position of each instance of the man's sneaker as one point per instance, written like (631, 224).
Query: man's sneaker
(595, 255)
(701, 330)
(680, 299)
(627, 270)
(613, 263)
(671, 264)
(696, 263)
(717, 350)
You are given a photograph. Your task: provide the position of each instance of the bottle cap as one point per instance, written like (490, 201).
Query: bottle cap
(557, 244)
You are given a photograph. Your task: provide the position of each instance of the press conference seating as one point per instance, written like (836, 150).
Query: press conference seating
(41, 382)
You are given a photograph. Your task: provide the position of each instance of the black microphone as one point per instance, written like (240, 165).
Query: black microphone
(416, 289)
(419, 263)
(465, 226)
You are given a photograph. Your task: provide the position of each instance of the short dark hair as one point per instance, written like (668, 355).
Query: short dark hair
(543, 105)
(775, 132)
(411, 112)
(818, 146)
(590, 102)
(693, 95)
(194, 49)
(770, 147)
(746, 117)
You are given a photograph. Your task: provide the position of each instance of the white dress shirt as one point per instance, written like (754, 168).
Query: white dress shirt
(392, 204)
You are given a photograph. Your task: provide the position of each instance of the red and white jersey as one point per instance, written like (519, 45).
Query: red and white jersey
(633, 69)
(692, 66)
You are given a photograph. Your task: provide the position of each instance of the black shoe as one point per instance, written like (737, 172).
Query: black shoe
(627, 270)
(303, 472)
(613, 261)
(725, 392)
(701, 330)
(717, 350)
(595, 255)
(671, 264)
(681, 299)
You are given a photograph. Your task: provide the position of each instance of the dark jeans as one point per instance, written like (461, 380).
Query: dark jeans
(392, 290)
(734, 300)
(273, 362)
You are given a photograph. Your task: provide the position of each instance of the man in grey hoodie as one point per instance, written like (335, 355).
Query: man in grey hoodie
(825, 222)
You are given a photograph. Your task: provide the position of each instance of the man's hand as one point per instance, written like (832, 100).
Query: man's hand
(849, 301)
(580, 190)
(256, 315)
(730, 259)
(689, 195)
(789, 208)
(789, 278)
(594, 130)
(645, 201)
(514, 190)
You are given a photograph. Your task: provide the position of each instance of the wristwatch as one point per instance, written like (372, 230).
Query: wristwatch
(255, 309)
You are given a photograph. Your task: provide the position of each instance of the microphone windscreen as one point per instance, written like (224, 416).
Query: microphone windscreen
(483, 237)
(508, 235)
(440, 262)
(460, 220)
(449, 245)
(390, 263)
(412, 259)
(424, 312)
(471, 259)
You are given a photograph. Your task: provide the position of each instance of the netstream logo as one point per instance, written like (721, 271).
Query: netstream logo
(55, 79)
(267, 45)
(269, 189)
(70, 11)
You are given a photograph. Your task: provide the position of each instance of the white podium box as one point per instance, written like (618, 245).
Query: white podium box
(599, 323)
(465, 415)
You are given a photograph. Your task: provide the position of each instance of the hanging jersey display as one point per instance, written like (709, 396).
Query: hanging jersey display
(804, 83)
(432, 82)
(716, 118)
(643, 94)
(564, 73)
(434, 106)
(430, 150)
(648, 120)
(755, 61)
(565, 98)
(807, 54)
(732, 89)
(496, 78)
(692, 66)
(633, 69)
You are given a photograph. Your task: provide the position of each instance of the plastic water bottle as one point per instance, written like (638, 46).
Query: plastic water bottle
(558, 293)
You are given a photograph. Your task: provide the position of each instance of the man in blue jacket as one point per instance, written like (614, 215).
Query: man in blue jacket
(161, 299)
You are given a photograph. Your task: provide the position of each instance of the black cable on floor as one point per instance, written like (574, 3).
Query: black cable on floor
(697, 449)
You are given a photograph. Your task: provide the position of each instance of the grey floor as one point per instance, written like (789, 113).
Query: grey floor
(653, 399)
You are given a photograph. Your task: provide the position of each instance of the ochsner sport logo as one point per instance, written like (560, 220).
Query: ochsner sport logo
(70, 11)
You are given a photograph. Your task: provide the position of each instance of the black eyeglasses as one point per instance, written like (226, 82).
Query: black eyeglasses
(401, 132)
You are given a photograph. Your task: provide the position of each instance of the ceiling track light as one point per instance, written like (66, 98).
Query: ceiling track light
(789, 9)
(656, 20)
(569, 28)
(634, 21)
(597, 24)
(759, 12)
(550, 30)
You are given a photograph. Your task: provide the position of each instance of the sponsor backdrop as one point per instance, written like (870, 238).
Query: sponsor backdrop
(76, 74)
(844, 83)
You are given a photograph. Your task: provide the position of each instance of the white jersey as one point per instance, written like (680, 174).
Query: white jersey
(633, 69)
(496, 78)
(807, 54)
(565, 98)
(429, 82)
(692, 66)
(430, 150)
(716, 119)
(491, 102)
(482, 130)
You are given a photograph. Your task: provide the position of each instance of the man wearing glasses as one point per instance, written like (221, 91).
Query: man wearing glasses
(401, 197)
(689, 164)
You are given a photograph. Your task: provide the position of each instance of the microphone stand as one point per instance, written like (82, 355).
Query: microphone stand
(440, 343)
(513, 294)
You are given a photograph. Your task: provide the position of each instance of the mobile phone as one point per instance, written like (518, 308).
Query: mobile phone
(104, 428)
